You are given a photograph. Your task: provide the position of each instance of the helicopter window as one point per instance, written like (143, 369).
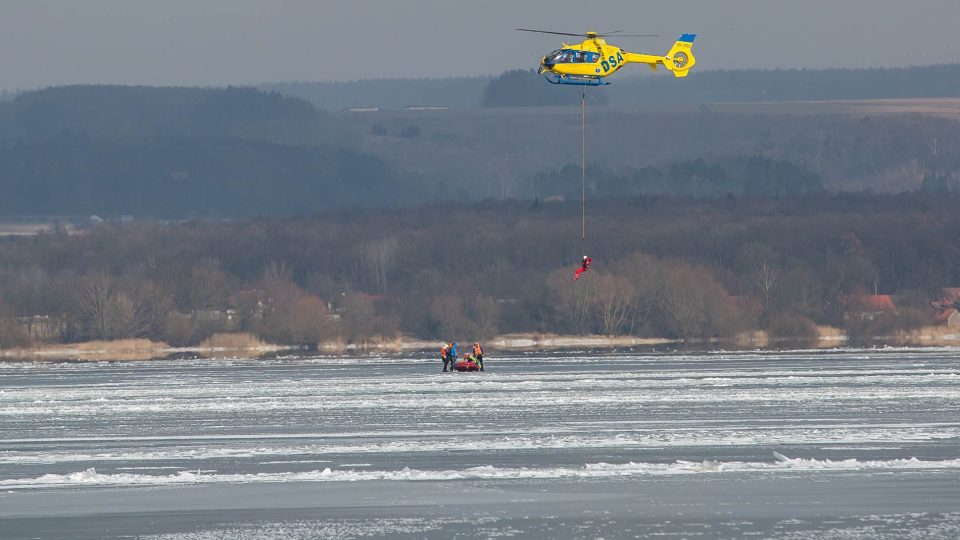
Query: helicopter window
(569, 56)
(580, 57)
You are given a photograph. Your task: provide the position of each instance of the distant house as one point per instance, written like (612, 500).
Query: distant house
(951, 294)
(946, 307)
(949, 317)
(868, 307)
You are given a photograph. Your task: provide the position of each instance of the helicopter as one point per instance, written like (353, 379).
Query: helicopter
(592, 60)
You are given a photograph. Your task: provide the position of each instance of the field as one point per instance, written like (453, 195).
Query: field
(939, 107)
(496, 150)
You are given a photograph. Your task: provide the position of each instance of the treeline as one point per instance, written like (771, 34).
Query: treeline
(177, 153)
(175, 177)
(662, 266)
(458, 92)
(494, 152)
(750, 177)
(182, 152)
(753, 85)
(523, 87)
(129, 113)
(239, 152)
(940, 183)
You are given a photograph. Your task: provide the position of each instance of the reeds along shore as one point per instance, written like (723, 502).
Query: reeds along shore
(246, 345)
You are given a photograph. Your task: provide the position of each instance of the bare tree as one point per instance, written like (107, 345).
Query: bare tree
(107, 313)
(277, 271)
(290, 314)
(614, 300)
(310, 321)
(646, 274)
(450, 316)
(123, 317)
(208, 287)
(11, 335)
(95, 305)
(377, 257)
(178, 329)
(765, 280)
(486, 313)
(152, 306)
(359, 320)
(574, 301)
(695, 304)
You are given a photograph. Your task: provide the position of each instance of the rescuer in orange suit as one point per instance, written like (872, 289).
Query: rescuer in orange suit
(478, 354)
(584, 266)
(445, 356)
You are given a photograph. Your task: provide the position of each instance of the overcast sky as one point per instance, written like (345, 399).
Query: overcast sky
(219, 42)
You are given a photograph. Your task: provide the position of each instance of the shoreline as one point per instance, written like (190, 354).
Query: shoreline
(224, 345)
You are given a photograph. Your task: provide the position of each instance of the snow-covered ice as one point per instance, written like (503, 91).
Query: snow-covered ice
(787, 435)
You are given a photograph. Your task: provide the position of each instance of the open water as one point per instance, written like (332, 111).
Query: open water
(796, 445)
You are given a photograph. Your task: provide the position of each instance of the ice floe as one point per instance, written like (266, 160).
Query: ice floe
(601, 470)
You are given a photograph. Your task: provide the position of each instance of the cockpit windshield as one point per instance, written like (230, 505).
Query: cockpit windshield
(570, 56)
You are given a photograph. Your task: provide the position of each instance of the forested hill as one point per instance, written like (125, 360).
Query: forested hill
(180, 152)
(234, 152)
(454, 92)
(523, 88)
(176, 177)
(790, 85)
(133, 112)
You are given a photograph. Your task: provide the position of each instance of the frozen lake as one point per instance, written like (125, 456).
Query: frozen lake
(853, 444)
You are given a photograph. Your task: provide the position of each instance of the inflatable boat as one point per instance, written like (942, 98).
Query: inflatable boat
(466, 365)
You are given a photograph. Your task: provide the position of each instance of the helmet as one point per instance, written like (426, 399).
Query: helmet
(585, 257)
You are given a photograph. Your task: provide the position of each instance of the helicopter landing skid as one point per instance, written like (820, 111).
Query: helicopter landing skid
(574, 81)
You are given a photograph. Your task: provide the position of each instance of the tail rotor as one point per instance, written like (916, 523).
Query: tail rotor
(680, 60)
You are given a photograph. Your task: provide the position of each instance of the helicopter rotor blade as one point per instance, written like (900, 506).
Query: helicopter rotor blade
(549, 32)
(588, 35)
(628, 35)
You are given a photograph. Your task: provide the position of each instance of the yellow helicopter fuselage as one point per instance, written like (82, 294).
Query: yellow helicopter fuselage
(594, 59)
